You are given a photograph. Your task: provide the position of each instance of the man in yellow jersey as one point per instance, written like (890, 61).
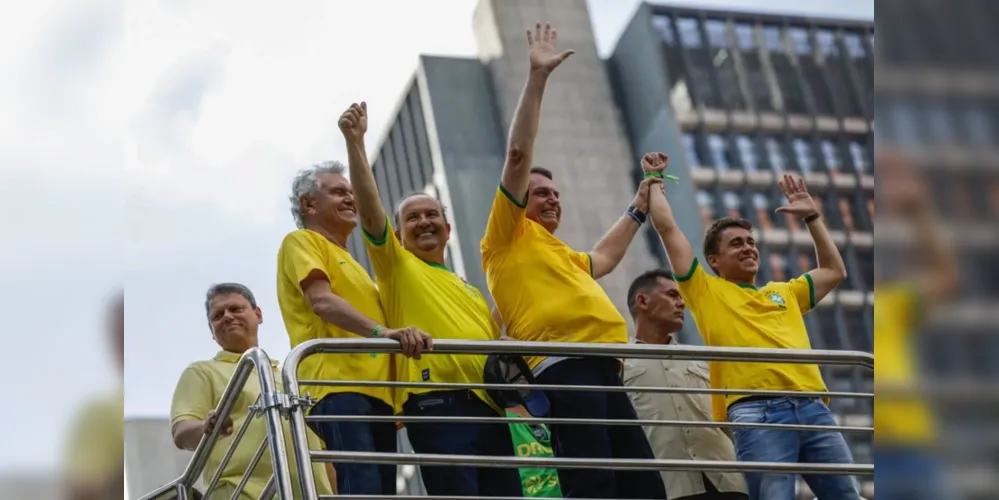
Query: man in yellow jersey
(324, 293)
(546, 291)
(234, 319)
(732, 311)
(416, 288)
(904, 431)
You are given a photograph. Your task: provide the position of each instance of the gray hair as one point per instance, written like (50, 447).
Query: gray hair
(219, 289)
(306, 183)
(398, 206)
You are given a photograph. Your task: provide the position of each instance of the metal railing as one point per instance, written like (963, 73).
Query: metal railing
(275, 406)
(270, 405)
(633, 351)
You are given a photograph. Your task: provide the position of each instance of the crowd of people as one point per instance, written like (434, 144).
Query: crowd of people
(543, 291)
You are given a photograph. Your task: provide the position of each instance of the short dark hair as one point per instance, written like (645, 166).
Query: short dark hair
(645, 282)
(398, 207)
(543, 171)
(227, 289)
(711, 238)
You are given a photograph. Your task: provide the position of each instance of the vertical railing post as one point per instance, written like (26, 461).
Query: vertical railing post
(299, 431)
(273, 404)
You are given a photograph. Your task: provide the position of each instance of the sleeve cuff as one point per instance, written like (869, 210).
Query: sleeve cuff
(512, 198)
(690, 272)
(377, 241)
(811, 291)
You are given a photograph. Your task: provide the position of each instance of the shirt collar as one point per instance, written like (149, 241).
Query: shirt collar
(672, 340)
(231, 357)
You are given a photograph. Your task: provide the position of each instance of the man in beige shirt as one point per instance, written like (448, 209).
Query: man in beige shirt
(656, 306)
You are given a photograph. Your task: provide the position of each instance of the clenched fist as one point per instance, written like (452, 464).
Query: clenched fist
(655, 162)
(354, 122)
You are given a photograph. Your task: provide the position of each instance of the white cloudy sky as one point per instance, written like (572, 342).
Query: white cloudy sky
(208, 107)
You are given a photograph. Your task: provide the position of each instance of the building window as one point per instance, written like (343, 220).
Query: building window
(664, 28)
(799, 41)
(803, 155)
(721, 58)
(706, 206)
(775, 154)
(690, 34)
(747, 153)
(733, 204)
(690, 149)
(784, 70)
(762, 207)
(831, 156)
(854, 46)
(858, 153)
(719, 152)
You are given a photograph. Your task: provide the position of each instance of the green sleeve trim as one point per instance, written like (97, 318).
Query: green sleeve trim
(377, 241)
(690, 273)
(811, 291)
(509, 196)
(590, 256)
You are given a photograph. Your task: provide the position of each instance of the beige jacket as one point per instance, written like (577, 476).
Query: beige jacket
(683, 443)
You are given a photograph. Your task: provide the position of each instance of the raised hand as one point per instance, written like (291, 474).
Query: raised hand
(541, 47)
(354, 122)
(799, 202)
(655, 162)
(650, 185)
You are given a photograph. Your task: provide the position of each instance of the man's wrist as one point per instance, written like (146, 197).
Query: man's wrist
(637, 215)
(812, 217)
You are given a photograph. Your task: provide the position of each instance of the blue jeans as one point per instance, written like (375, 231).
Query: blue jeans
(354, 478)
(769, 445)
(909, 473)
(445, 438)
(598, 441)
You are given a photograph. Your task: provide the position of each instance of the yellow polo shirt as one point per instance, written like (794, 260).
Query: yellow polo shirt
(544, 290)
(434, 299)
(897, 420)
(731, 315)
(199, 391)
(303, 252)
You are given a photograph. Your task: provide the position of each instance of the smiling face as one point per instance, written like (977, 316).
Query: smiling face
(331, 203)
(423, 228)
(737, 257)
(234, 322)
(543, 204)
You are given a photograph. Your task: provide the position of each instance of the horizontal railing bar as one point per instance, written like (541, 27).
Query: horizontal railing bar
(635, 351)
(600, 388)
(590, 463)
(584, 421)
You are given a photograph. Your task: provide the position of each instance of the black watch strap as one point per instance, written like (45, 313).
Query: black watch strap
(808, 219)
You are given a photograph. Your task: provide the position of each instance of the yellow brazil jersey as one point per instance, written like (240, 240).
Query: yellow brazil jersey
(199, 391)
(897, 420)
(303, 252)
(731, 315)
(544, 290)
(437, 301)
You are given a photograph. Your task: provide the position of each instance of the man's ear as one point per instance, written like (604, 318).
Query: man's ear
(712, 261)
(447, 225)
(259, 314)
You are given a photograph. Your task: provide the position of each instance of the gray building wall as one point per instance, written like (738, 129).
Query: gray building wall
(582, 138)
(640, 81)
(151, 458)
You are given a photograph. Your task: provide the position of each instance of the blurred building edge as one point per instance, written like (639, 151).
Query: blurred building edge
(151, 458)
(735, 98)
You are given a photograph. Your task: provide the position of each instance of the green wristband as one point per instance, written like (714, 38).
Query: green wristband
(661, 175)
(376, 330)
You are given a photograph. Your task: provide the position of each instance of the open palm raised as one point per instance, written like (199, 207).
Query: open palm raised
(799, 202)
(541, 47)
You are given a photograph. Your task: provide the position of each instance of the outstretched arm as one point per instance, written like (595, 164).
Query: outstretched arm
(524, 128)
(831, 270)
(610, 250)
(678, 249)
(354, 123)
